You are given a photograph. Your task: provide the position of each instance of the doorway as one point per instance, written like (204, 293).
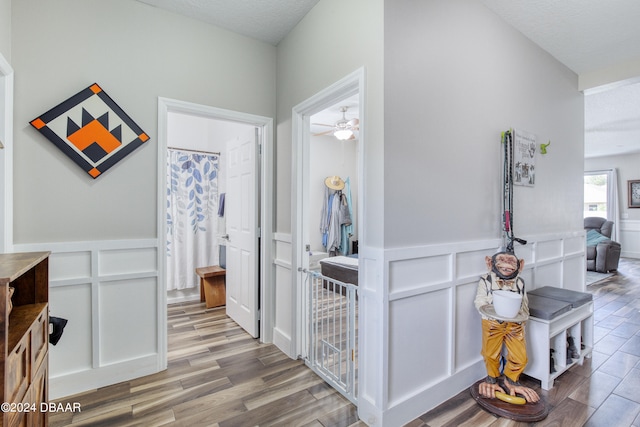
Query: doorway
(349, 88)
(261, 305)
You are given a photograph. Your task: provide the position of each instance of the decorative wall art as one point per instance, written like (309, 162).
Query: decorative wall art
(91, 129)
(634, 193)
(524, 158)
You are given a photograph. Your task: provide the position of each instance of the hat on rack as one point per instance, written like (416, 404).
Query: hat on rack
(334, 182)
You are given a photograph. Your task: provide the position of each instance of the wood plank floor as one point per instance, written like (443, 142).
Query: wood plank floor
(219, 376)
(603, 392)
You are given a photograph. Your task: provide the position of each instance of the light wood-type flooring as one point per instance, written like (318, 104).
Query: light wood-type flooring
(219, 376)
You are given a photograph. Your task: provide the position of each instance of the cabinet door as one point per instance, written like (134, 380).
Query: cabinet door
(17, 370)
(39, 395)
(39, 340)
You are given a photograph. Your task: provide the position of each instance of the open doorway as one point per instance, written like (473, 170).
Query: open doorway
(247, 288)
(334, 157)
(321, 164)
(197, 177)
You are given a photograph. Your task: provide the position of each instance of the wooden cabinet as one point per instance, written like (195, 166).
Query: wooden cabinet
(24, 337)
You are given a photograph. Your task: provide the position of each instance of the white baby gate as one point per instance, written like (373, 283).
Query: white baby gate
(332, 335)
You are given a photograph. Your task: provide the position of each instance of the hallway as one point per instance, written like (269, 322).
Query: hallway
(219, 376)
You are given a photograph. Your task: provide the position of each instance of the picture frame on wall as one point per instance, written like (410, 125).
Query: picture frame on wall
(634, 193)
(91, 129)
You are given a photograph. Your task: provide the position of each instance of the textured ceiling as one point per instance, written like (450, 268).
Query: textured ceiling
(588, 36)
(612, 121)
(585, 35)
(266, 20)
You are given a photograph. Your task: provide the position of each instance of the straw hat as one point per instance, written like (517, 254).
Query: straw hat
(334, 182)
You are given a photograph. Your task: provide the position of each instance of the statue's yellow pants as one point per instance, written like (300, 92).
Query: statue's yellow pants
(494, 334)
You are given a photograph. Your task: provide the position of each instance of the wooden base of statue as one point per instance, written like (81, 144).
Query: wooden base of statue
(528, 413)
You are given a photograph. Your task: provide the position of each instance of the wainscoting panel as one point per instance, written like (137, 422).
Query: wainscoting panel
(548, 250)
(74, 352)
(70, 265)
(417, 324)
(405, 275)
(529, 253)
(471, 263)
(630, 238)
(549, 274)
(127, 261)
(284, 314)
(574, 245)
(127, 305)
(467, 345)
(113, 297)
(434, 329)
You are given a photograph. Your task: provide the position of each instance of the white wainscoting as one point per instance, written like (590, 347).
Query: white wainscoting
(284, 315)
(111, 295)
(630, 238)
(433, 328)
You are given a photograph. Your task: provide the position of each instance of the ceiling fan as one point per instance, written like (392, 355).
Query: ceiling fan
(343, 129)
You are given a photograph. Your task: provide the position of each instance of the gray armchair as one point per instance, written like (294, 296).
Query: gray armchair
(603, 254)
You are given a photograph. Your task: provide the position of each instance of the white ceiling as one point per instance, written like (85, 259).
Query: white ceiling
(585, 35)
(331, 115)
(266, 20)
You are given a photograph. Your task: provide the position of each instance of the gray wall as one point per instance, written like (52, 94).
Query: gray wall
(455, 77)
(333, 40)
(5, 29)
(136, 53)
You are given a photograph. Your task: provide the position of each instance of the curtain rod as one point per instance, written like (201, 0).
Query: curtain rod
(194, 151)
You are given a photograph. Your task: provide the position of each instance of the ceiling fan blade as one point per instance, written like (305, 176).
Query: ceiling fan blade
(321, 124)
(323, 133)
(354, 122)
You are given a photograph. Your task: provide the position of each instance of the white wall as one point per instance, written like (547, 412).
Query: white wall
(334, 39)
(103, 232)
(475, 76)
(455, 77)
(627, 166)
(136, 53)
(329, 157)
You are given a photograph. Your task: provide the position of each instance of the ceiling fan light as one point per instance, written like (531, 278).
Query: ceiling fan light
(343, 134)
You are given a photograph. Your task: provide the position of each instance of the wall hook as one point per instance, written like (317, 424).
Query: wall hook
(543, 147)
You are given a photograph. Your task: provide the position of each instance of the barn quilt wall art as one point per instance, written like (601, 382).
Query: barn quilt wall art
(91, 129)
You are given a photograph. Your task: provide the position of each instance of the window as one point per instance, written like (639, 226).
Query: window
(595, 194)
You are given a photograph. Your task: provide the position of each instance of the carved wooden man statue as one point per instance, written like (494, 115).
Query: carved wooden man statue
(504, 269)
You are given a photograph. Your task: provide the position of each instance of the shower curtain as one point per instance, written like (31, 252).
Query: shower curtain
(192, 208)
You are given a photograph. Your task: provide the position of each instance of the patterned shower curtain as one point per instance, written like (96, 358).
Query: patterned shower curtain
(192, 208)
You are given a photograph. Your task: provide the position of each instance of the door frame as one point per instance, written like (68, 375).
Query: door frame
(6, 156)
(350, 85)
(264, 197)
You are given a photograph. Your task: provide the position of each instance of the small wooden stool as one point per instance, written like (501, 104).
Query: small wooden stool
(212, 285)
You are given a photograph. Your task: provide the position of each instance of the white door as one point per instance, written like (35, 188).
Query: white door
(242, 228)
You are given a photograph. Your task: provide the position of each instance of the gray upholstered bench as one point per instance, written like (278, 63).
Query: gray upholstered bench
(555, 315)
